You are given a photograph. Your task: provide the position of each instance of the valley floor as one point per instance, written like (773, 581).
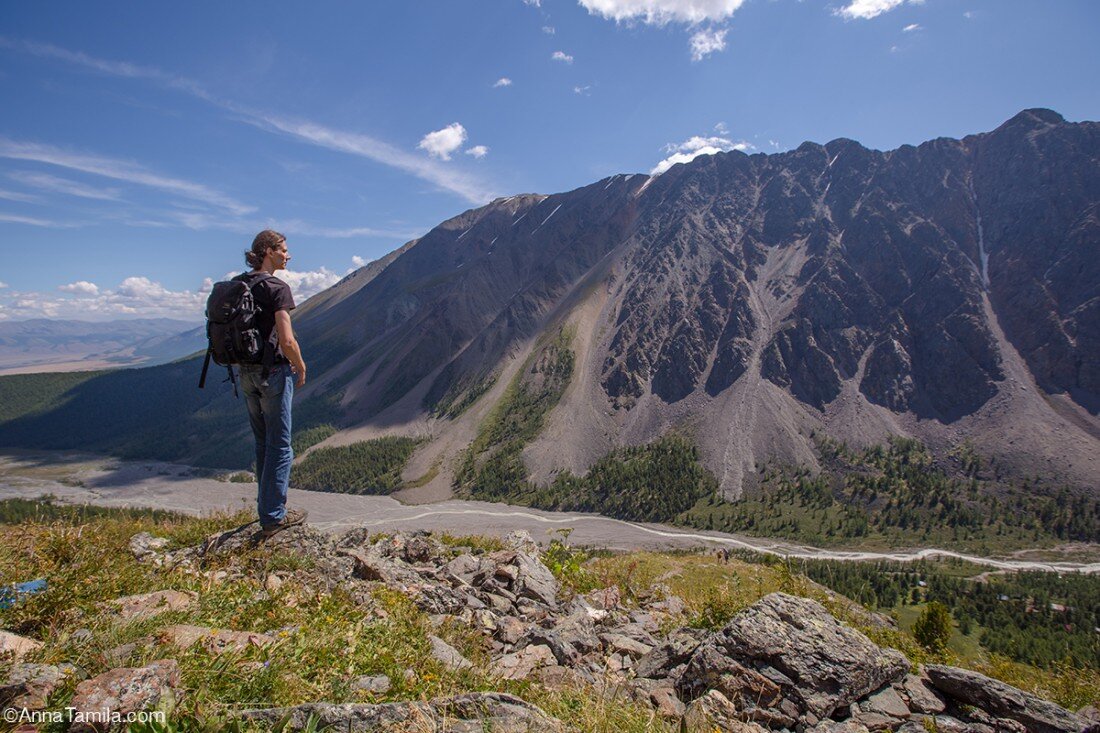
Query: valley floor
(82, 478)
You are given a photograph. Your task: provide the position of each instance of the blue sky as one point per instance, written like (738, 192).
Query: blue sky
(143, 144)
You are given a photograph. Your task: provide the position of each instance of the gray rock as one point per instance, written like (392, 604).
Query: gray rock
(470, 713)
(672, 652)
(144, 546)
(713, 711)
(447, 655)
(825, 665)
(622, 644)
(1003, 701)
(563, 651)
(949, 724)
(125, 690)
(30, 685)
(885, 702)
(378, 684)
(832, 726)
(920, 696)
(145, 605)
(520, 665)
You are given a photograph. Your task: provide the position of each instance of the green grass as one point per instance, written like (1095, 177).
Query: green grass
(367, 467)
(323, 639)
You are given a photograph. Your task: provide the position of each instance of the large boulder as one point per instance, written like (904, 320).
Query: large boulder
(145, 605)
(470, 713)
(124, 690)
(817, 662)
(1003, 701)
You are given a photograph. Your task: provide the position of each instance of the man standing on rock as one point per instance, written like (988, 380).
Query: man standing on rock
(269, 399)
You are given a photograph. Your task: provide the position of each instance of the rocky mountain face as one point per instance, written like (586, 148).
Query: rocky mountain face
(948, 291)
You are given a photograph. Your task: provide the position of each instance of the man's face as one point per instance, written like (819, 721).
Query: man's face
(280, 255)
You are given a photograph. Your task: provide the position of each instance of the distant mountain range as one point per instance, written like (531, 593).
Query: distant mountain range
(948, 292)
(42, 344)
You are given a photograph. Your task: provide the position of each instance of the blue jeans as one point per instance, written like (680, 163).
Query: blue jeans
(269, 414)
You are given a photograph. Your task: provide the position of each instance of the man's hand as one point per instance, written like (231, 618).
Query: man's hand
(300, 370)
(289, 346)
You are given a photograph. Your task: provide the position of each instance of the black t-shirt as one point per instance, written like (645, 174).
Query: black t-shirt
(271, 294)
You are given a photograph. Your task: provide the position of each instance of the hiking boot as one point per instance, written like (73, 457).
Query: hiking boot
(292, 518)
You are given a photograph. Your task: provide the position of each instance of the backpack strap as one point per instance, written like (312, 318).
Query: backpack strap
(205, 366)
(268, 362)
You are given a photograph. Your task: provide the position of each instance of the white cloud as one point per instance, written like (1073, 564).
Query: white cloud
(441, 143)
(142, 296)
(695, 146)
(549, 30)
(63, 185)
(120, 170)
(23, 198)
(478, 151)
(3, 285)
(468, 187)
(533, 3)
(721, 128)
(584, 91)
(707, 41)
(35, 222)
(867, 9)
(969, 14)
(661, 12)
(358, 261)
(911, 27)
(561, 56)
(502, 82)
(80, 286)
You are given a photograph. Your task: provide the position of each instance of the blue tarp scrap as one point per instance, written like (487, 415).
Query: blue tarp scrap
(12, 593)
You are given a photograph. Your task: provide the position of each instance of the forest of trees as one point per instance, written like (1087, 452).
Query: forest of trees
(367, 467)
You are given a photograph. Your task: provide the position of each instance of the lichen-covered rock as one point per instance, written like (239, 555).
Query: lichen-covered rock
(520, 665)
(125, 690)
(819, 663)
(30, 685)
(669, 654)
(920, 696)
(1003, 701)
(145, 547)
(470, 713)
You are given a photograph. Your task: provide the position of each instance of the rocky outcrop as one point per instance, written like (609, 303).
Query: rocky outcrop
(30, 685)
(789, 653)
(495, 711)
(1003, 701)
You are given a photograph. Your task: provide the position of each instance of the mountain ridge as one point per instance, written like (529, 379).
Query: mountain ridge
(946, 291)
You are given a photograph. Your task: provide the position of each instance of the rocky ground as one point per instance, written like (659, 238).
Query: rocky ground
(783, 663)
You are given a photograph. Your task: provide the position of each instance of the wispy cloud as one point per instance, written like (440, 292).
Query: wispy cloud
(63, 185)
(478, 151)
(35, 222)
(867, 9)
(584, 91)
(23, 198)
(119, 170)
(695, 146)
(911, 27)
(706, 41)
(549, 30)
(469, 187)
(502, 82)
(562, 56)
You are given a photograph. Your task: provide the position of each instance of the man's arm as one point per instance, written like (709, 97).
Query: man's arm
(289, 345)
